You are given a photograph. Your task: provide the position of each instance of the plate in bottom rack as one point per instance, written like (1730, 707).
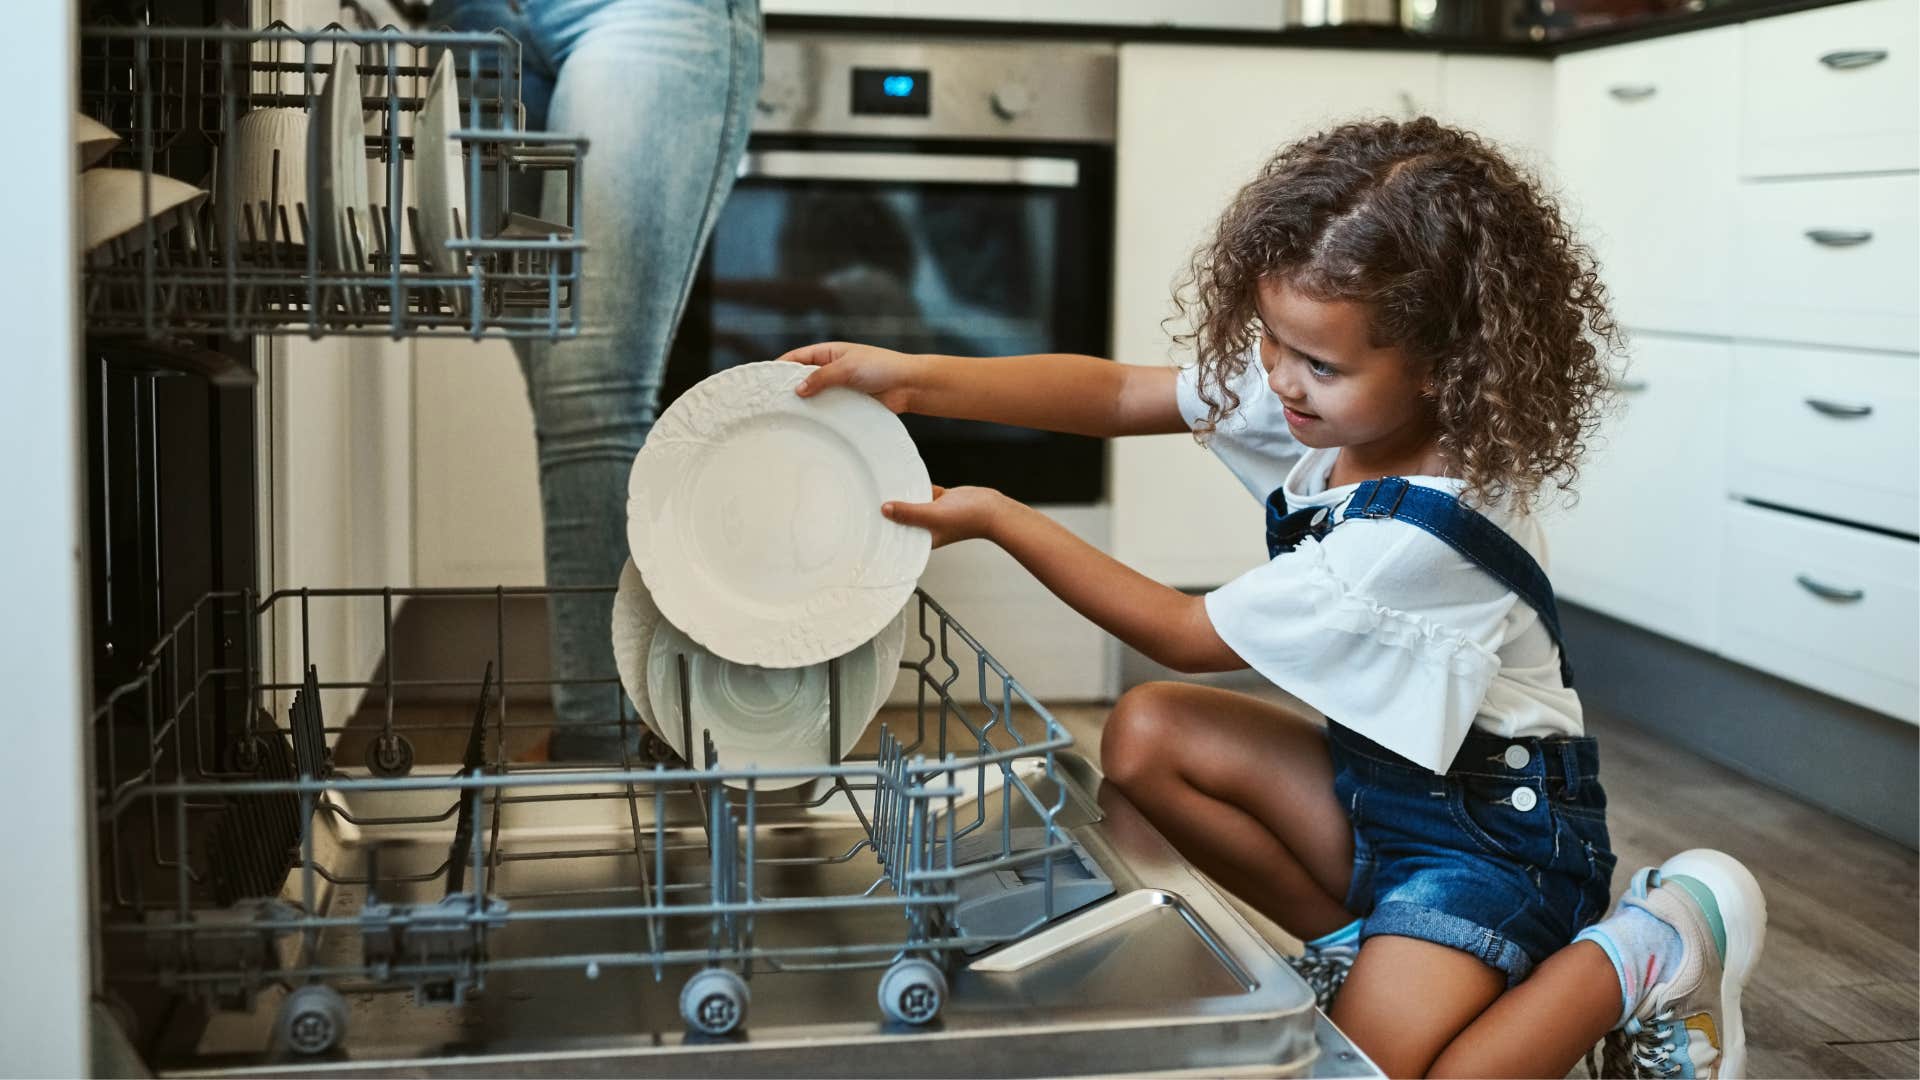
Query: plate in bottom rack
(766, 718)
(635, 620)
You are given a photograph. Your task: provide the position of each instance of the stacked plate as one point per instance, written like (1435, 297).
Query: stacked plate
(759, 555)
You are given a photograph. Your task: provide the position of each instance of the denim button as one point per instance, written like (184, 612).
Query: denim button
(1517, 756)
(1523, 798)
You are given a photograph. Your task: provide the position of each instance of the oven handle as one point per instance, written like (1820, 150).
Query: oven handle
(881, 167)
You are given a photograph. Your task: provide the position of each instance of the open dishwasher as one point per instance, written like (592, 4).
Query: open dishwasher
(923, 911)
(958, 896)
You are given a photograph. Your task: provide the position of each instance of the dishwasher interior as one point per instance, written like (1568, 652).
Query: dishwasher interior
(959, 895)
(962, 899)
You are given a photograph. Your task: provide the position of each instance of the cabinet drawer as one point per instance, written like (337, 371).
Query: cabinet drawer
(1832, 262)
(1832, 91)
(1835, 433)
(1834, 608)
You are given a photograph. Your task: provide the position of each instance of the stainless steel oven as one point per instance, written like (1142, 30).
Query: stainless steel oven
(949, 197)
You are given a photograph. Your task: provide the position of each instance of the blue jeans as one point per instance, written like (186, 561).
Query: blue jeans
(664, 92)
(1504, 856)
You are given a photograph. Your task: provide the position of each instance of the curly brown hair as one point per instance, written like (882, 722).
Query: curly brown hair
(1461, 261)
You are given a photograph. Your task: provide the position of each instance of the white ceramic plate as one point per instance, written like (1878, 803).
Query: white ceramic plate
(346, 239)
(764, 718)
(635, 618)
(754, 516)
(110, 203)
(889, 647)
(439, 176)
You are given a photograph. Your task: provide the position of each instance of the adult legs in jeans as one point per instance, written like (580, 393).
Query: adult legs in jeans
(664, 91)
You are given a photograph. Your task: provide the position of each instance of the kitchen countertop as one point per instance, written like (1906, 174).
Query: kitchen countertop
(1341, 37)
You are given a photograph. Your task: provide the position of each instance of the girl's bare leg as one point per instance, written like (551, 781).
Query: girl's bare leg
(1244, 789)
(1541, 1027)
(1406, 1000)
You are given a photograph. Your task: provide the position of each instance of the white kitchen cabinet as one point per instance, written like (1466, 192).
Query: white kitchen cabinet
(1506, 99)
(1195, 124)
(1643, 541)
(1836, 90)
(476, 476)
(1833, 261)
(1645, 149)
(1829, 431)
(1835, 608)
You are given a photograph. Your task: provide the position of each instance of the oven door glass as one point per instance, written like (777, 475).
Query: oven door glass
(963, 254)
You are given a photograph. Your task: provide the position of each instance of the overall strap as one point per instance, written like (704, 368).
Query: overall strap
(1468, 532)
(1285, 529)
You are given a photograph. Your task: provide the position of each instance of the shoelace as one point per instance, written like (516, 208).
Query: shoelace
(1638, 1050)
(1325, 973)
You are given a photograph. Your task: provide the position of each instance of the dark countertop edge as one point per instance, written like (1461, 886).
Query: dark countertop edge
(1336, 37)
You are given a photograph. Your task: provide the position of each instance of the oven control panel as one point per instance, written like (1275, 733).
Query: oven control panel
(869, 85)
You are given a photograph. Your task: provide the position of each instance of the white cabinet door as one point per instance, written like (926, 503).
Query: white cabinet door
(476, 478)
(1195, 124)
(1642, 542)
(1645, 147)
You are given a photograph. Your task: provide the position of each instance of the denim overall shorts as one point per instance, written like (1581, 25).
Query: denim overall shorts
(1505, 855)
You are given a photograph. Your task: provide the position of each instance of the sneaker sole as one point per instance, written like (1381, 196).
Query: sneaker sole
(1743, 910)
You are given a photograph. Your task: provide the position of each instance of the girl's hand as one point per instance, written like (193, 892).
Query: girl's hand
(883, 373)
(962, 513)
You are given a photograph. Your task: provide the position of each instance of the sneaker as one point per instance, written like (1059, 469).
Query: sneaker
(1689, 1025)
(1325, 969)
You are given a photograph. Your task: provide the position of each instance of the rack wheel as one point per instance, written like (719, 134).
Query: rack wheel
(912, 991)
(313, 1019)
(389, 755)
(714, 1001)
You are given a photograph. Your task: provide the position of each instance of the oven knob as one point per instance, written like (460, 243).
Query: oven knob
(777, 97)
(1011, 100)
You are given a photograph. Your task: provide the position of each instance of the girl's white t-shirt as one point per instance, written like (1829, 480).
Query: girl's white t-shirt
(1380, 625)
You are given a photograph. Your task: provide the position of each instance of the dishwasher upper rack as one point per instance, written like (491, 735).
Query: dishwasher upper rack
(234, 268)
(180, 814)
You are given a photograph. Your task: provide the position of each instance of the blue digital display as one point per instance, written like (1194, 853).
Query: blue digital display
(892, 92)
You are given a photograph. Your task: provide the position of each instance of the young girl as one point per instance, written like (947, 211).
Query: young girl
(1400, 346)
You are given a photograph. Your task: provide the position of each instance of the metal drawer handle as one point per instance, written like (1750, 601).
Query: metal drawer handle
(1632, 91)
(1630, 386)
(1837, 408)
(1839, 237)
(1829, 592)
(1850, 59)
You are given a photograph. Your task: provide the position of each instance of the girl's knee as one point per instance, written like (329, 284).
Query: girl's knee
(1133, 740)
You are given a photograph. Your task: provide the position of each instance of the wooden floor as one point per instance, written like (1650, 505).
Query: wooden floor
(1837, 992)
(1838, 988)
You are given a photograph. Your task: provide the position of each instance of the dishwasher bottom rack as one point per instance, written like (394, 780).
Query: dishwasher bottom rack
(239, 859)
